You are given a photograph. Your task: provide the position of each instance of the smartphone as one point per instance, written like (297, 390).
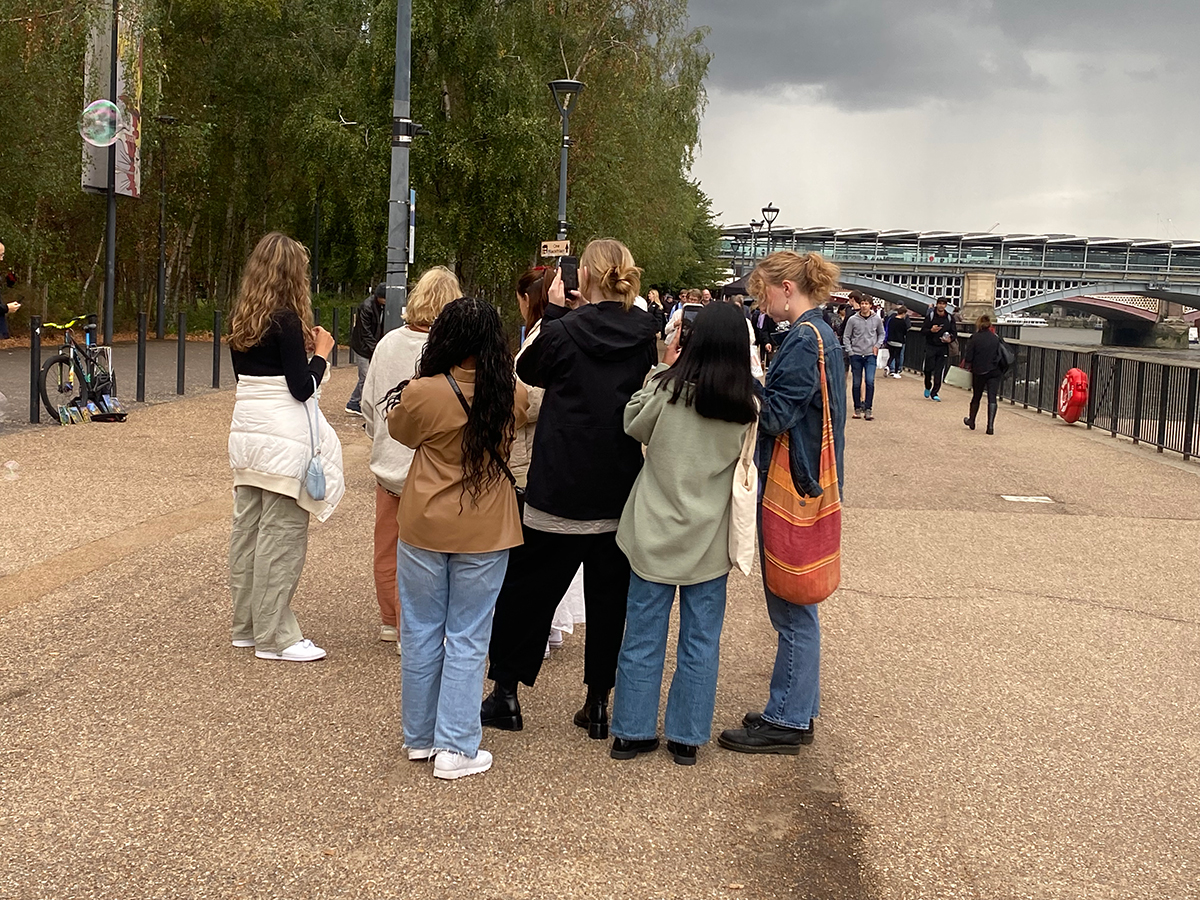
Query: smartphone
(687, 322)
(569, 267)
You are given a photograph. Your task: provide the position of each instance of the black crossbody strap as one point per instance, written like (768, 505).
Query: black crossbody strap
(467, 409)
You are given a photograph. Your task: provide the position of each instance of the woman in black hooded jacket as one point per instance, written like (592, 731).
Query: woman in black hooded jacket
(982, 358)
(590, 360)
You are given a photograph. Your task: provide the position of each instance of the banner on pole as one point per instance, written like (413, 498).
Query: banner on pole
(96, 85)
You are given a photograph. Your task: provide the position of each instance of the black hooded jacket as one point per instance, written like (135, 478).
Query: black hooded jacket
(590, 361)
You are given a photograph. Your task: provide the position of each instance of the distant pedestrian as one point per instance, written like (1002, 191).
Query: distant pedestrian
(861, 339)
(982, 359)
(896, 337)
(793, 287)
(6, 309)
(394, 360)
(367, 330)
(693, 415)
(273, 440)
(939, 331)
(458, 519)
(655, 308)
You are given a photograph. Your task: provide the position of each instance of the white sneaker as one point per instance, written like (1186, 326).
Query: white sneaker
(388, 633)
(416, 754)
(397, 648)
(301, 651)
(556, 639)
(244, 643)
(546, 655)
(451, 765)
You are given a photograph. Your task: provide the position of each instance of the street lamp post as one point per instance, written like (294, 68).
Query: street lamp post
(160, 314)
(769, 213)
(566, 95)
(755, 227)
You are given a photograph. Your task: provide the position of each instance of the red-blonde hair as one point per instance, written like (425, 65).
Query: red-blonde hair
(812, 274)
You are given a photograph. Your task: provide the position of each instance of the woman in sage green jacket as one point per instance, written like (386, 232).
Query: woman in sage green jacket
(693, 416)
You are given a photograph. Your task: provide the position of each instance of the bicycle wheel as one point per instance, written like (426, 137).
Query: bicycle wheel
(60, 385)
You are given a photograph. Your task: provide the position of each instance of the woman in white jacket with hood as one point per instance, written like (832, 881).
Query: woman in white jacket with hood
(275, 433)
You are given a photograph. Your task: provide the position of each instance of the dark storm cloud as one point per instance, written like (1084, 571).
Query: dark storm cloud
(879, 54)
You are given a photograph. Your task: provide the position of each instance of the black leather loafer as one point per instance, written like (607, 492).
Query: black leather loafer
(623, 749)
(683, 754)
(501, 709)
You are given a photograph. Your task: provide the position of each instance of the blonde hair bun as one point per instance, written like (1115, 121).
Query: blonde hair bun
(812, 274)
(614, 273)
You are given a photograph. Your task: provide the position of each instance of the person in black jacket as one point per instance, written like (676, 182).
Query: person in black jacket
(982, 358)
(896, 335)
(590, 360)
(939, 331)
(367, 330)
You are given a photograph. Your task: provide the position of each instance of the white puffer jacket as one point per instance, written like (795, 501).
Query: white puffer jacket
(269, 443)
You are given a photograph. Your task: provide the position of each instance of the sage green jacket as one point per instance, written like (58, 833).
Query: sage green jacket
(675, 526)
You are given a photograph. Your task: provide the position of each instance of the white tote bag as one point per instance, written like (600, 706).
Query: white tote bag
(881, 359)
(743, 512)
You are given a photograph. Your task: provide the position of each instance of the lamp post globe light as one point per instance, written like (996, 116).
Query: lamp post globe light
(566, 96)
(755, 227)
(769, 213)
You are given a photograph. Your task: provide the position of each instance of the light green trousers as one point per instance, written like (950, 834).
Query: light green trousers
(267, 546)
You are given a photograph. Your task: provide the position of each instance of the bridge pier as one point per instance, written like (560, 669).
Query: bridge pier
(1168, 334)
(978, 295)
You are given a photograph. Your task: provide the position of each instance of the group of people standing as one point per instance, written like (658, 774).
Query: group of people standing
(498, 477)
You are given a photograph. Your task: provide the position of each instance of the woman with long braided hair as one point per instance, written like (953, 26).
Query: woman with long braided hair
(457, 520)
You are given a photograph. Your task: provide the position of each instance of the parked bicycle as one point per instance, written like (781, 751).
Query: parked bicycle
(80, 373)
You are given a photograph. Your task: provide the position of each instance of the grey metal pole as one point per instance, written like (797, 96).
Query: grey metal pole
(143, 324)
(160, 309)
(396, 276)
(562, 179)
(35, 369)
(110, 226)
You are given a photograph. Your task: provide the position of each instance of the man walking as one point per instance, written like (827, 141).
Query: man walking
(367, 330)
(861, 338)
(939, 331)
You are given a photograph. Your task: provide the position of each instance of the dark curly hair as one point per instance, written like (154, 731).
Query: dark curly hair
(471, 328)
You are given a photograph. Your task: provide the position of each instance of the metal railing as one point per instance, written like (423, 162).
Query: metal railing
(1150, 401)
(37, 349)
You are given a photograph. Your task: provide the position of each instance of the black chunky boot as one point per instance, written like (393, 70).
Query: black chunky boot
(992, 407)
(594, 715)
(501, 709)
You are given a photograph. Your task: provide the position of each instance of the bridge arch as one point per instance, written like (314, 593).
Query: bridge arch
(893, 293)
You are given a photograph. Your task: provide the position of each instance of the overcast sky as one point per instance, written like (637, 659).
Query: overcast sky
(1075, 116)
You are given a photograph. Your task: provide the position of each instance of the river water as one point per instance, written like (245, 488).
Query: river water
(1089, 337)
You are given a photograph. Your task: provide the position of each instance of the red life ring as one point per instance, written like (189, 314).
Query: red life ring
(1073, 395)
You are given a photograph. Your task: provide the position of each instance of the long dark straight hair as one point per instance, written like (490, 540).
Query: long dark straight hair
(466, 328)
(716, 364)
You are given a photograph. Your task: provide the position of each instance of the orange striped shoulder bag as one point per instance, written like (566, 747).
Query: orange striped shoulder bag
(802, 536)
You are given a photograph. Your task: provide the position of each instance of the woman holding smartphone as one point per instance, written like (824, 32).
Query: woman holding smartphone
(590, 361)
(693, 415)
(457, 521)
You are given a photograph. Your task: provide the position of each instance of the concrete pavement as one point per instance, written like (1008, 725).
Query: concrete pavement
(1009, 694)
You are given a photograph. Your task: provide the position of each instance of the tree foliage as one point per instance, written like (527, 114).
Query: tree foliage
(283, 112)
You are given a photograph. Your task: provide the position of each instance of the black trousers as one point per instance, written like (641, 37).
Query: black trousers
(539, 573)
(990, 382)
(935, 368)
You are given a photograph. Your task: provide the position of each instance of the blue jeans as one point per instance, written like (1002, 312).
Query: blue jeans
(795, 697)
(693, 692)
(860, 365)
(445, 626)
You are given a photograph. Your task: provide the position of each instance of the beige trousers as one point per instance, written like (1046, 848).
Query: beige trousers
(387, 533)
(267, 546)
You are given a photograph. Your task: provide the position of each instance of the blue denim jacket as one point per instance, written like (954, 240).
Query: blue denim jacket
(792, 403)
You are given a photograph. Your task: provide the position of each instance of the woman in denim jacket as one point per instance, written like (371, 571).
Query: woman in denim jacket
(792, 288)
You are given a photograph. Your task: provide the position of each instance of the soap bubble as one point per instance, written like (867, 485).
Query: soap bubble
(99, 123)
(12, 471)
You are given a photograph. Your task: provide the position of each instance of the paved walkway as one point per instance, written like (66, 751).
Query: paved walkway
(1009, 694)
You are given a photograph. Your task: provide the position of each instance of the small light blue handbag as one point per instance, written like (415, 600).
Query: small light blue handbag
(314, 478)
